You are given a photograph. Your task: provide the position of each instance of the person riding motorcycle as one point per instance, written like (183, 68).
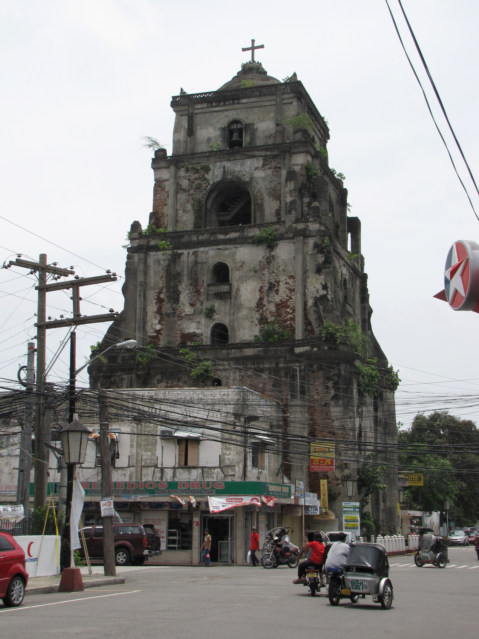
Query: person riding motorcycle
(337, 555)
(281, 541)
(316, 558)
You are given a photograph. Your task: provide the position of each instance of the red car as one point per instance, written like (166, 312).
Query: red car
(13, 576)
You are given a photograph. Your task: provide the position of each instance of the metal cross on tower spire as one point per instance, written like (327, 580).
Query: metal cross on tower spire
(252, 49)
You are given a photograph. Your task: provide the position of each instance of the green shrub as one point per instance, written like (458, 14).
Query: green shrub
(267, 236)
(272, 333)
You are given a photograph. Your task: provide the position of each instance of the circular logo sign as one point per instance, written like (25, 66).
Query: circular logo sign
(461, 275)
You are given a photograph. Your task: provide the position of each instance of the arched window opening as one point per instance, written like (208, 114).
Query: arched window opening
(235, 135)
(229, 204)
(219, 334)
(216, 382)
(221, 273)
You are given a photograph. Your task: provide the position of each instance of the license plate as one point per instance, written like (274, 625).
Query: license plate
(313, 575)
(345, 591)
(358, 585)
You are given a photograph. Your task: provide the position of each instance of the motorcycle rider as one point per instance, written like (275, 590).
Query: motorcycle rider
(281, 542)
(337, 555)
(316, 558)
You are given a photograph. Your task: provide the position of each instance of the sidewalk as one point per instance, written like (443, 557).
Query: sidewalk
(37, 585)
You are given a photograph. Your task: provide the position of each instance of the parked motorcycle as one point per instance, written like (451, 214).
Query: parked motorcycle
(280, 551)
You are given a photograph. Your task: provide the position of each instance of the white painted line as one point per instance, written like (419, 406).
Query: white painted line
(68, 601)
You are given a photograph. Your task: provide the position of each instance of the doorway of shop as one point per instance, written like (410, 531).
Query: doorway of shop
(221, 531)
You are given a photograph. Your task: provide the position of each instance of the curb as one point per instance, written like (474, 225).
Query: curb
(92, 583)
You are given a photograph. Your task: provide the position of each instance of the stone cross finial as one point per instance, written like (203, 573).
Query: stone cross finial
(252, 49)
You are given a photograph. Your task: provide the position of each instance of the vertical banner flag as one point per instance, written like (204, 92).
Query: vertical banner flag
(323, 495)
(78, 497)
(321, 458)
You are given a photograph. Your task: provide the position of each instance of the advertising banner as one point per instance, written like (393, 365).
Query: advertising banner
(351, 517)
(323, 494)
(321, 456)
(218, 504)
(413, 479)
(11, 513)
(42, 554)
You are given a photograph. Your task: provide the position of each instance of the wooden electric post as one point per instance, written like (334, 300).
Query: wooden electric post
(106, 487)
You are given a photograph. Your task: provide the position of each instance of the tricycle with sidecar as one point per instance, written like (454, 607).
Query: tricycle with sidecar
(366, 573)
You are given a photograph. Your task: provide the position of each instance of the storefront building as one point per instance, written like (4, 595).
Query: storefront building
(180, 512)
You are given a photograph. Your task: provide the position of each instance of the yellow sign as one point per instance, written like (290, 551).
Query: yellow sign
(323, 495)
(321, 456)
(413, 479)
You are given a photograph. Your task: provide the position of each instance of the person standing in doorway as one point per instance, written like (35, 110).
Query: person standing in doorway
(206, 548)
(254, 546)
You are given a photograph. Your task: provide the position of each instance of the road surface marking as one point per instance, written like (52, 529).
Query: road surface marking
(67, 601)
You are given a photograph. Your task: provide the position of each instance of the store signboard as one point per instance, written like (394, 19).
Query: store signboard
(321, 456)
(351, 517)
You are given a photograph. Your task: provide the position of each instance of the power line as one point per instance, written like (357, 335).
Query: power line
(429, 106)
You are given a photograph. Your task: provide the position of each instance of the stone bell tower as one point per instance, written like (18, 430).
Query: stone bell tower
(248, 270)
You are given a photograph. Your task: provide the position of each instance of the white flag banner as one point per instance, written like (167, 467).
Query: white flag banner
(217, 504)
(78, 497)
(11, 513)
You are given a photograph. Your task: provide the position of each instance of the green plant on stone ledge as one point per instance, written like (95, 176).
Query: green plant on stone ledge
(301, 121)
(369, 377)
(151, 230)
(202, 372)
(272, 333)
(340, 176)
(210, 311)
(391, 379)
(348, 333)
(311, 172)
(267, 236)
(165, 245)
(147, 355)
(203, 369)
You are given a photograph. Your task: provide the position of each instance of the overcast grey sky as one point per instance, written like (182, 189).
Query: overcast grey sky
(83, 81)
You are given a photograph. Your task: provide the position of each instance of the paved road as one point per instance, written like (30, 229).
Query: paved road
(246, 602)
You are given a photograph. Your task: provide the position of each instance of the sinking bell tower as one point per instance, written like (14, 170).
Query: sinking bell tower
(249, 272)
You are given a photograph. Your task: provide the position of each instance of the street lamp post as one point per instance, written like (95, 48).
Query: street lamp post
(67, 554)
(75, 442)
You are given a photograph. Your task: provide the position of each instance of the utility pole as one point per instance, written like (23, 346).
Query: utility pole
(41, 436)
(25, 458)
(43, 269)
(106, 487)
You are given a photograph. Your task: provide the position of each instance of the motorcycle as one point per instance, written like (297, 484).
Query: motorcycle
(431, 550)
(313, 580)
(279, 551)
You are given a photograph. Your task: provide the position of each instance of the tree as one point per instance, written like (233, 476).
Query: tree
(446, 450)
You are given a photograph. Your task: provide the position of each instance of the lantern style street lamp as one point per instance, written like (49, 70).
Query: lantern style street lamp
(75, 441)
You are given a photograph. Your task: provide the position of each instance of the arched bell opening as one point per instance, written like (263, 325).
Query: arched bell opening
(228, 204)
